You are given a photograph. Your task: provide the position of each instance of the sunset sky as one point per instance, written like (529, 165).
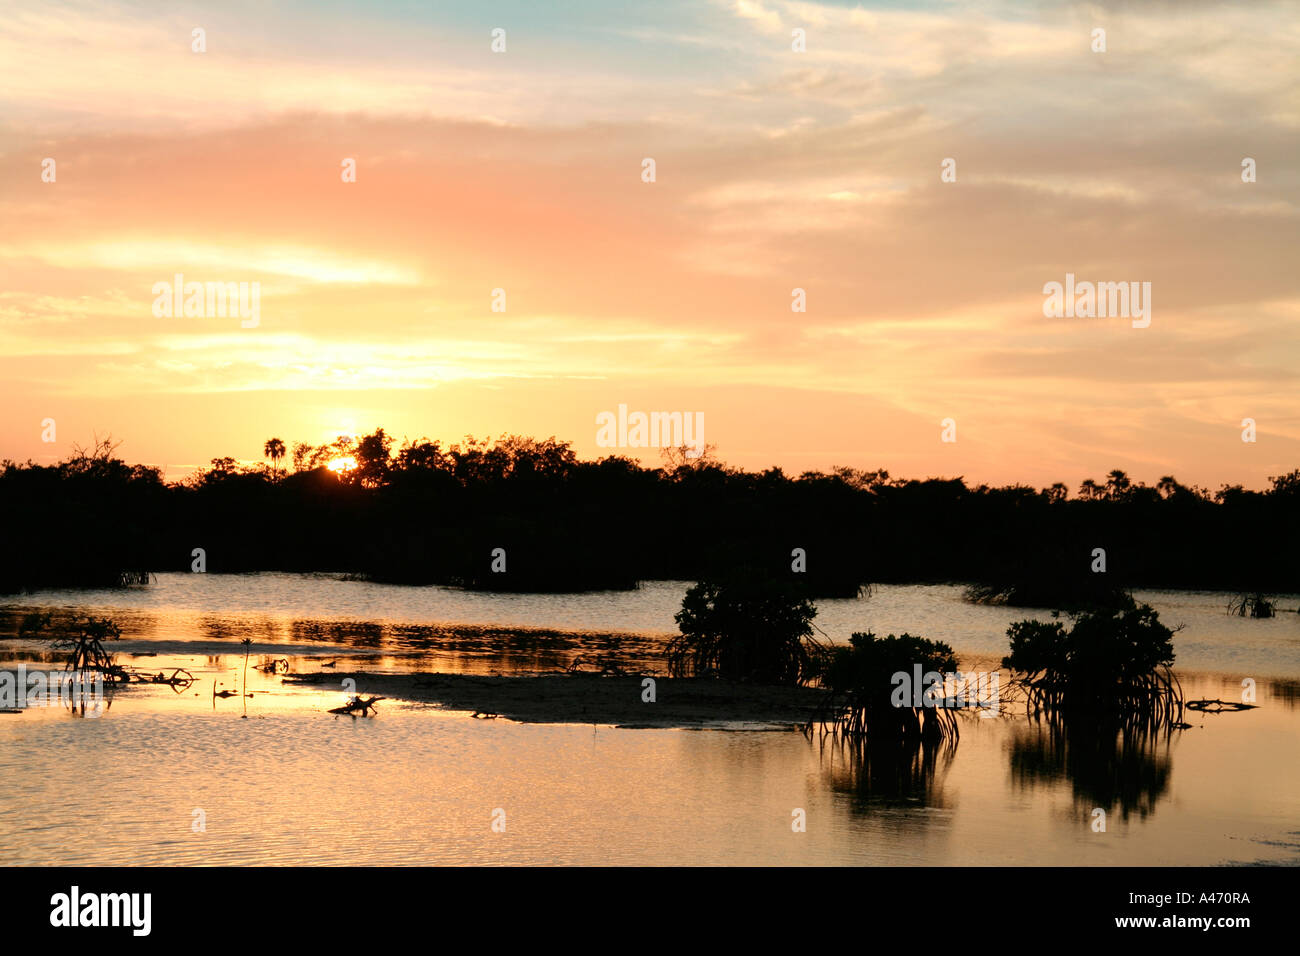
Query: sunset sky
(775, 170)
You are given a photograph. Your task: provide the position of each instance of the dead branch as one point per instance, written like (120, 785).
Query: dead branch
(363, 706)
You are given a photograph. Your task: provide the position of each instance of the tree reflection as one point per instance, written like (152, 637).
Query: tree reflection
(883, 775)
(1128, 769)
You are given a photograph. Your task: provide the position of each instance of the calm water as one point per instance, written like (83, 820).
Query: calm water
(292, 784)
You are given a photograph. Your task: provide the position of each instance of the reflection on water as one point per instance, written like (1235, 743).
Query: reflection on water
(449, 648)
(293, 784)
(417, 785)
(885, 776)
(1285, 691)
(1126, 769)
(274, 608)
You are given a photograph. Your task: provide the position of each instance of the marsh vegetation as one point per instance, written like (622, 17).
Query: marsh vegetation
(1108, 665)
(746, 629)
(82, 638)
(871, 691)
(1252, 605)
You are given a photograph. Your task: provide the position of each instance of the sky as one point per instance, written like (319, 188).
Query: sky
(775, 169)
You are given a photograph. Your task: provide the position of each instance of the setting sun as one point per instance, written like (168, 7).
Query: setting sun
(341, 465)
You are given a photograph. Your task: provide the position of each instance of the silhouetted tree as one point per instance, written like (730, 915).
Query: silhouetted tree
(1112, 663)
(274, 450)
(1117, 485)
(871, 691)
(745, 629)
(1057, 492)
(434, 514)
(372, 453)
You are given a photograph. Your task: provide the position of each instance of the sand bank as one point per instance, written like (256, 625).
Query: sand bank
(587, 698)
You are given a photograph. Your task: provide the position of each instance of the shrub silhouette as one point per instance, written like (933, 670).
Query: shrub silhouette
(867, 698)
(1110, 662)
(747, 629)
(1077, 592)
(82, 636)
(1254, 605)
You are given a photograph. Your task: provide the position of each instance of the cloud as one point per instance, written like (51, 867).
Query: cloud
(776, 170)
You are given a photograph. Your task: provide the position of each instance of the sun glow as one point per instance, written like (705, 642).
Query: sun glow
(340, 465)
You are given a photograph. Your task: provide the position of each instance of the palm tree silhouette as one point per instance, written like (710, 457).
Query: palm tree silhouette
(274, 450)
(1118, 485)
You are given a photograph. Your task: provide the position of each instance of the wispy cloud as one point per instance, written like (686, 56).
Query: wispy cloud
(775, 170)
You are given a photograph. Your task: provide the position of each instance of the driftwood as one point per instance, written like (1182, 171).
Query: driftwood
(179, 679)
(364, 706)
(1218, 706)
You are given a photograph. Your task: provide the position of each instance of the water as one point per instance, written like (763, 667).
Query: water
(418, 785)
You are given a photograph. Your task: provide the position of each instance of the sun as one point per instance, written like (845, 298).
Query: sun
(340, 465)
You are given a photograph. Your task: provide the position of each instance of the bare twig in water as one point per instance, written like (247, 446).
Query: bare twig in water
(248, 643)
(178, 680)
(604, 665)
(1218, 706)
(363, 706)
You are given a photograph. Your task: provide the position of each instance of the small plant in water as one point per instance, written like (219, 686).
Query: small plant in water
(248, 643)
(1065, 593)
(83, 638)
(866, 697)
(1252, 605)
(747, 629)
(1109, 664)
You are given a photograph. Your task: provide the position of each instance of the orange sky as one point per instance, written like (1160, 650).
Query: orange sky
(775, 170)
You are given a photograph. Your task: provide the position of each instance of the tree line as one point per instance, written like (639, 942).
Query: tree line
(520, 513)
